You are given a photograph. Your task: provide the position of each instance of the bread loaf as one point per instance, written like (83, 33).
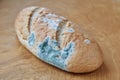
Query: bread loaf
(57, 41)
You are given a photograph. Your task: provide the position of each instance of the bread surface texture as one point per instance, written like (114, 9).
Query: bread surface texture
(57, 41)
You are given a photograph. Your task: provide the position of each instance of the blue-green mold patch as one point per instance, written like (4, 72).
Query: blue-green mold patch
(31, 39)
(49, 52)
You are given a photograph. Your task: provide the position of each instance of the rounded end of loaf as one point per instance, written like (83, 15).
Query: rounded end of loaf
(86, 58)
(22, 22)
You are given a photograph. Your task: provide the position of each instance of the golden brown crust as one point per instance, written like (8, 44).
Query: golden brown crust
(87, 55)
(22, 22)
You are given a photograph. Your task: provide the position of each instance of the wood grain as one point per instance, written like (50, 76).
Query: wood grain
(100, 17)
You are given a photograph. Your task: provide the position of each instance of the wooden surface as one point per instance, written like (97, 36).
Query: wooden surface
(100, 17)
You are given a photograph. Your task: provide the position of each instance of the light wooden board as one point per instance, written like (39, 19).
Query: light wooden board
(100, 17)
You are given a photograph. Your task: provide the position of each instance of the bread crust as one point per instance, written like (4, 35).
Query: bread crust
(87, 55)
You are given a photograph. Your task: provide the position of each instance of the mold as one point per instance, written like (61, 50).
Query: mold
(48, 52)
(71, 30)
(53, 15)
(52, 23)
(31, 39)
